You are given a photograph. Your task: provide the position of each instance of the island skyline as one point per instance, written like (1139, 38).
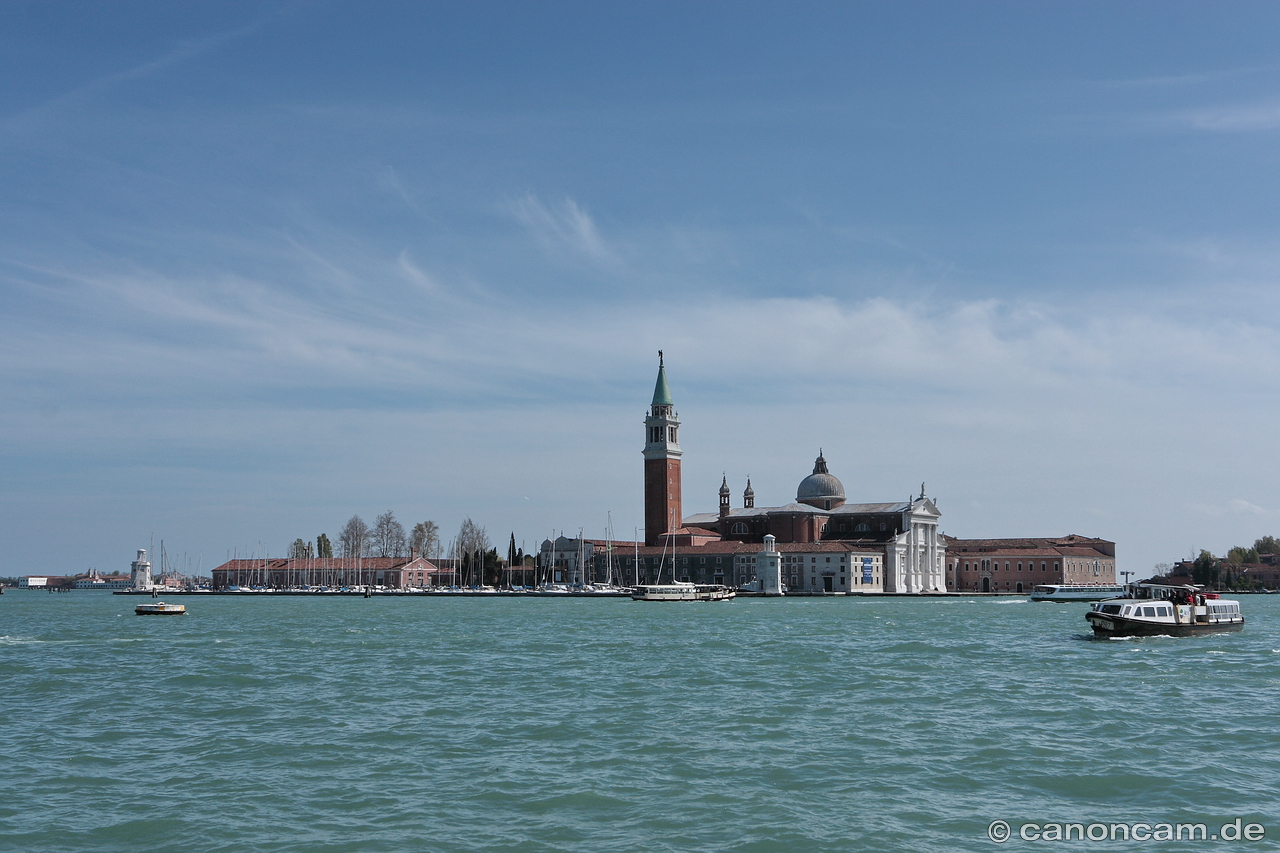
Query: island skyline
(269, 266)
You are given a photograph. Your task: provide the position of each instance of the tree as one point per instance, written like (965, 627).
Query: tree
(1205, 569)
(301, 550)
(1241, 556)
(1267, 545)
(511, 550)
(425, 539)
(472, 539)
(387, 537)
(354, 537)
(324, 548)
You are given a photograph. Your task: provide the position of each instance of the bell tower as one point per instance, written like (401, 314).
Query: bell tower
(662, 509)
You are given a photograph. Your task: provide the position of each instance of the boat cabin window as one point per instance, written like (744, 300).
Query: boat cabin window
(1110, 608)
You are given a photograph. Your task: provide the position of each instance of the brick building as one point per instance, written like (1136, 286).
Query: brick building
(1017, 565)
(285, 573)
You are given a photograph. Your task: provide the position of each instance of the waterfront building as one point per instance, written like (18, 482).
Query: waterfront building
(808, 566)
(94, 580)
(900, 539)
(46, 582)
(288, 573)
(1018, 565)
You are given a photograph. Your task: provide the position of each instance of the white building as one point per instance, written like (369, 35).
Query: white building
(140, 572)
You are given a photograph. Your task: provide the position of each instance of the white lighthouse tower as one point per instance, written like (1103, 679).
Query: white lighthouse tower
(140, 576)
(769, 568)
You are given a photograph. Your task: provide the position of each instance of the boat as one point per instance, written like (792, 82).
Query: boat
(1076, 591)
(1150, 609)
(160, 609)
(682, 591)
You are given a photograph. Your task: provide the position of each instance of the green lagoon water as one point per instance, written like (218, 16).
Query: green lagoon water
(464, 724)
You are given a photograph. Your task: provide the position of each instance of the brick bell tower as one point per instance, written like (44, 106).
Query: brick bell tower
(662, 510)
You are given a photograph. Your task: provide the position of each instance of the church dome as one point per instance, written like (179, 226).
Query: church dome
(821, 488)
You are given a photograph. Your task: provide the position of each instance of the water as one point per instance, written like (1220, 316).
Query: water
(596, 725)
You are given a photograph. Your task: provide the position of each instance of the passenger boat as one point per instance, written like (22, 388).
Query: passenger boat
(160, 609)
(1159, 610)
(682, 591)
(1076, 591)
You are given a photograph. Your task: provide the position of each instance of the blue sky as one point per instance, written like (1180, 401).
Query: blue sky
(266, 265)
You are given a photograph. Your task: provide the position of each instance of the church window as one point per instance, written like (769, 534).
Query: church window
(739, 528)
(882, 525)
(862, 528)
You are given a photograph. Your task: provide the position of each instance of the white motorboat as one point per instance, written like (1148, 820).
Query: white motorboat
(1076, 591)
(682, 591)
(1159, 610)
(160, 609)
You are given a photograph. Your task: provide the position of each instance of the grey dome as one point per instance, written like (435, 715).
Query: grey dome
(820, 485)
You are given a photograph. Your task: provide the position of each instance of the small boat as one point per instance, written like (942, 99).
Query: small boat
(160, 609)
(682, 591)
(1160, 610)
(1076, 591)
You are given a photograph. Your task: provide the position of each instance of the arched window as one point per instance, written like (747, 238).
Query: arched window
(739, 528)
(862, 528)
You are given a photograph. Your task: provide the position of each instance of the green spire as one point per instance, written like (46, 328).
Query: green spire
(661, 391)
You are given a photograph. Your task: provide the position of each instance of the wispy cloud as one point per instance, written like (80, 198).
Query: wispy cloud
(389, 181)
(561, 227)
(1239, 118)
(1235, 506)
(1189, 79)
(182, 52)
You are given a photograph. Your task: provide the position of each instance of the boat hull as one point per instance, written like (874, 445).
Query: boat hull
(160, 610)
(1111, 625)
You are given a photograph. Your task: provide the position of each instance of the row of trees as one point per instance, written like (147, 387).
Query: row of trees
(1225, 571)
(478, 558)
(387, 538)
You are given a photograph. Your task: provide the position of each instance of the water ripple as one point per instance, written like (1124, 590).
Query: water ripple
(842, 725)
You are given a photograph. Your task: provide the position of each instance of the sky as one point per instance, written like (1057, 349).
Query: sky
(264, 266)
